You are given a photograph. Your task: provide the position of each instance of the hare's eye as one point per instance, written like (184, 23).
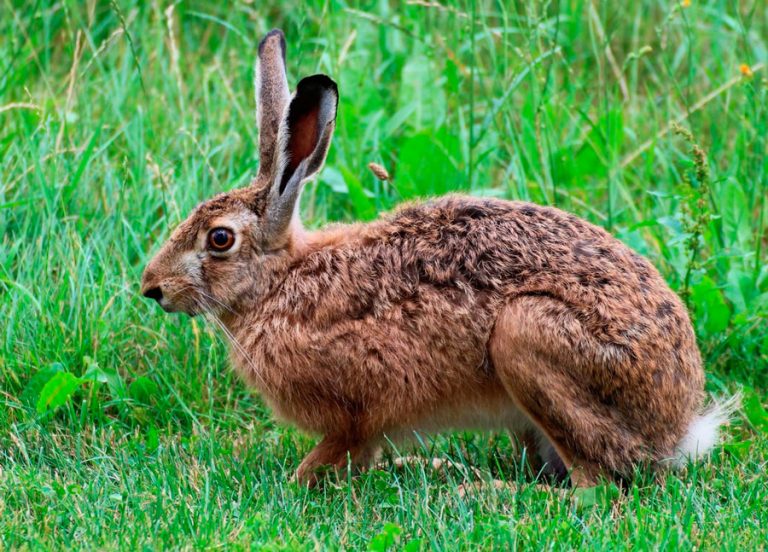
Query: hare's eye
(221, 239)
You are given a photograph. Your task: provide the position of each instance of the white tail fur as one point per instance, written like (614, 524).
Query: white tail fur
(704, 431)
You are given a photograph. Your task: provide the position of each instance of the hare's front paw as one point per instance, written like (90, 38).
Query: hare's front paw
(333, 455)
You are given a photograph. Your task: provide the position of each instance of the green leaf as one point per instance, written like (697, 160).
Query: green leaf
(57, 391)
(586, 498)
(597, 495)
(387, 539)
(732, 204)
(413, 545)
(334, 179)
(361, 203)
(740, 288)
(114, 381)
(421, 90)
(712, 312)
(31, 393)
(153, 439)
(739, 450)
(143, 389)
(592, 157)
(756, 413)
(429, 165)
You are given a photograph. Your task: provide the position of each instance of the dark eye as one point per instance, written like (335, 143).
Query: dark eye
(221, 239)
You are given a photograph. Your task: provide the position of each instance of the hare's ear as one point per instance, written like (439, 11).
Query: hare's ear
(271, 98)
(303, 141)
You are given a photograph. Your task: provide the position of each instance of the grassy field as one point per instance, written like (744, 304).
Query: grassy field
(123, 427)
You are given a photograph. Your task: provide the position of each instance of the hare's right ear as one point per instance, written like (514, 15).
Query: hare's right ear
(272, 96)
(303, 141)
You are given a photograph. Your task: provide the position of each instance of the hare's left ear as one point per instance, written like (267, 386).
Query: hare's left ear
(303, 141)
(271, 98)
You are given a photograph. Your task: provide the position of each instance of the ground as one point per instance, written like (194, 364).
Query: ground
(124, 427)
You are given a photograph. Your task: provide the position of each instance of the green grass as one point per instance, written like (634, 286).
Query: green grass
(118, 117)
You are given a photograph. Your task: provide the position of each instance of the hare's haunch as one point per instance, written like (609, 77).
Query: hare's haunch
(455, 313)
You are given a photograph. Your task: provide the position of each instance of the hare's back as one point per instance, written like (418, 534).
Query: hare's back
(507, 249)
(513, 247)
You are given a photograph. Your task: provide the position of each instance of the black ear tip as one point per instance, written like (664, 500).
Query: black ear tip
(274, 34)
(317, 83)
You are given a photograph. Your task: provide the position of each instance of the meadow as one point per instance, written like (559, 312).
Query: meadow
(122, 427)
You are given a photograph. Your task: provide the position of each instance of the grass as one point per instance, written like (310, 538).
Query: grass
(118, 117)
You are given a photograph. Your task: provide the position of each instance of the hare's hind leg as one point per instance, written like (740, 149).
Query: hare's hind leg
(540, 352)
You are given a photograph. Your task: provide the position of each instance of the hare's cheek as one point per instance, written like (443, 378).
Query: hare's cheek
(230, 282)
(190, 266)
(222, 276)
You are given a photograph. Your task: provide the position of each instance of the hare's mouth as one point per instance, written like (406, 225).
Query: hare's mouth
(182, 307)
(169, 307)
(189, 310)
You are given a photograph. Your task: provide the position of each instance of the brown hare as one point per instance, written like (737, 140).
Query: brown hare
(454, 313)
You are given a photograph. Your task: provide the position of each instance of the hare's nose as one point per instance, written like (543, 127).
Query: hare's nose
(153, 293)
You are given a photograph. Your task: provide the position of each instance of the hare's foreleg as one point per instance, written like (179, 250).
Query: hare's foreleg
(535, 348)
(335, 453)
(543, 457)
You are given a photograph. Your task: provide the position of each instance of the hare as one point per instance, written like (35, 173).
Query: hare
(454, 313)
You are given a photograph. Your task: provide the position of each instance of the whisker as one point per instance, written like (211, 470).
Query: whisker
(209, 315)
(203, 303)
(219, 303)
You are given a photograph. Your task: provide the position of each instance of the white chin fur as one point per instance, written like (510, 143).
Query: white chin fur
(704, 431)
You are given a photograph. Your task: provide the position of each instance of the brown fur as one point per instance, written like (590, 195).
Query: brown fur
(457, 312)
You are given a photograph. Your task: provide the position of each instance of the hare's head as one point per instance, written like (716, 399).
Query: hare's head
(216, 255)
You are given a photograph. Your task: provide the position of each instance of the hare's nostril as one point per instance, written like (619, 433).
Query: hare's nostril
(154, 293)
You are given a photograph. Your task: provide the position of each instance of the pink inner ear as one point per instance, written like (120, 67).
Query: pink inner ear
(303, 138)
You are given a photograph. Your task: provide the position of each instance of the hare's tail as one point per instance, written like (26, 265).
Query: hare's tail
(704, 431)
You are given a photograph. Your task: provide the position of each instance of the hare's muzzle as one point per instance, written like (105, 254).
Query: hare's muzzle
(153, 293)
(150, 286)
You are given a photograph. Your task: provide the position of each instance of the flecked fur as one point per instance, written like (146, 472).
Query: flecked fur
(454, 312)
